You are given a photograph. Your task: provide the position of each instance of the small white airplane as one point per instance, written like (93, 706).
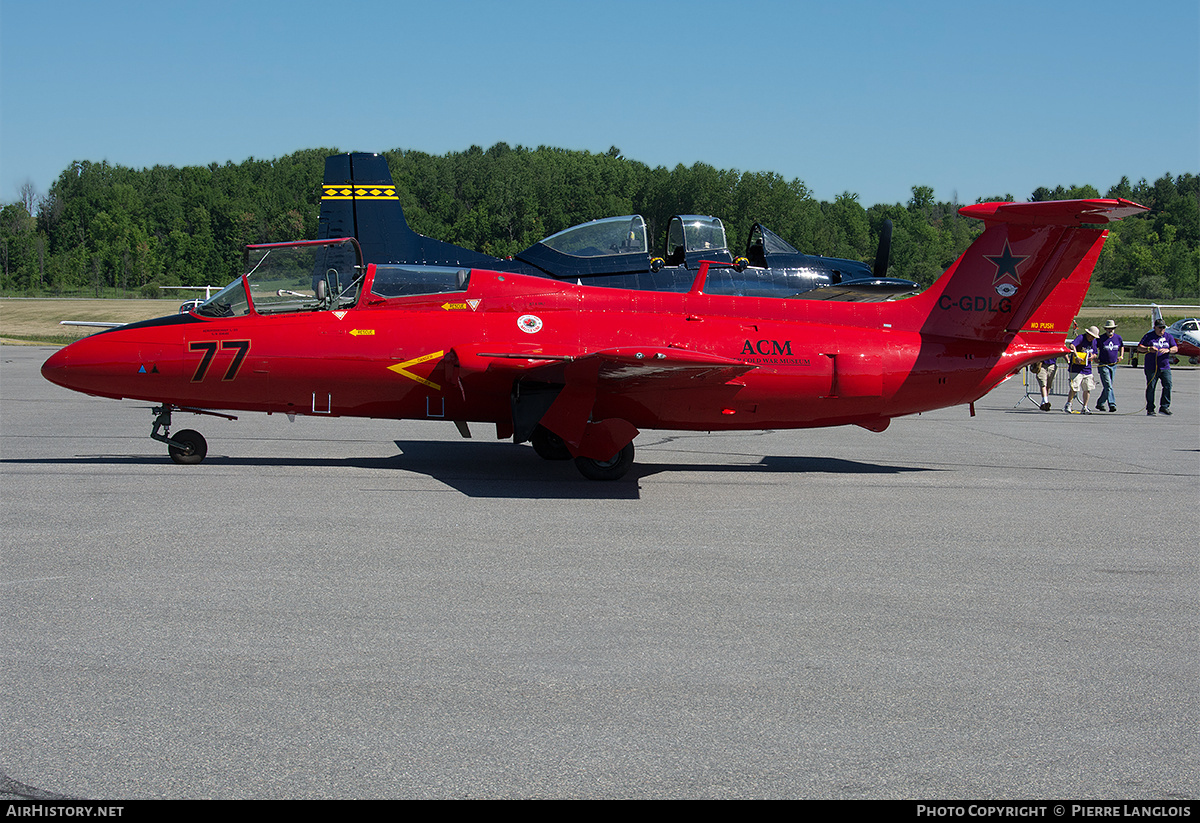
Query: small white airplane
(1186, 331)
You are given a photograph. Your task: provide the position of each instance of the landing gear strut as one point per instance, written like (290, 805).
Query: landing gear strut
(187, 447)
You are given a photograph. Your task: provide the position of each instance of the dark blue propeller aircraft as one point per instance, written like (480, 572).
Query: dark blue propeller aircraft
(360, 200)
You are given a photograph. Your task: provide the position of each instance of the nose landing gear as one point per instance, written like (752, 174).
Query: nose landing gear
(187, 447)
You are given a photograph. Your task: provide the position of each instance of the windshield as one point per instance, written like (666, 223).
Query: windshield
(228, 302)
(771, 242)
(602, 238)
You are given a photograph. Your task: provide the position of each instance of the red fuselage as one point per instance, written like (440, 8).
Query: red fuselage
(815, 363)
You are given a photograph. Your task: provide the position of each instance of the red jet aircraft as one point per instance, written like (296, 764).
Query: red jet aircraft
(578, 370)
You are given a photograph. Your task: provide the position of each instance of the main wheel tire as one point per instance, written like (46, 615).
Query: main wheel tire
(195, 447)
(548, 445)
(611, 469)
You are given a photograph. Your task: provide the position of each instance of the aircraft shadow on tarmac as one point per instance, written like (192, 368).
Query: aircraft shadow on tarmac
(500, 470)
(497, 470)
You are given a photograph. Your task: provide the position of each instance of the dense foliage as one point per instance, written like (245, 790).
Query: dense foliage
(110, 229)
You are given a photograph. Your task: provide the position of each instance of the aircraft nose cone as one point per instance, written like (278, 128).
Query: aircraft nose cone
(55, 368)
(82, 366)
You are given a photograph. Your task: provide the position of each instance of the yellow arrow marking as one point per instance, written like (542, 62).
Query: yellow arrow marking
(402, 369)
(357, 332)
(451, 306)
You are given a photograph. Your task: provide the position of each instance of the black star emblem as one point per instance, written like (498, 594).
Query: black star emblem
(1006, 264)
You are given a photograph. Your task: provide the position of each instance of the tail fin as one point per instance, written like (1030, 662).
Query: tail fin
(1028, 271)
(358, 199)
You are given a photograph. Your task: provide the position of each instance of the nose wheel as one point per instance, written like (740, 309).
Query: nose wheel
(186, 447)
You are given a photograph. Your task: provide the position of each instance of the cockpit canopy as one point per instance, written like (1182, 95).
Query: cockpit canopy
(602, 238)
(614, 238)
(307, 275)
(398, 280)
(608, 246)
(620, 246)
(693, 233)
(692, 238)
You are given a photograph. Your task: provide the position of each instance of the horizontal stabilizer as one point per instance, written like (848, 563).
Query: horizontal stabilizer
(1054, 212)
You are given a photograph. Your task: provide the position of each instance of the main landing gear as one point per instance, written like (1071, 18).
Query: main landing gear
(186, 447)
(549, 446)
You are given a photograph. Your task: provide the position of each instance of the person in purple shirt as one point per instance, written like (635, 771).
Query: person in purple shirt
(1110, 354)
(1158, 367)
(1080, 359)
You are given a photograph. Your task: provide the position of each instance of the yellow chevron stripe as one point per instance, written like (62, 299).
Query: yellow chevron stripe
(347, 192)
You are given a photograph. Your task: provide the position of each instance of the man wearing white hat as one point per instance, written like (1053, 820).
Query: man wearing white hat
(1083, 354)
(1111, 351)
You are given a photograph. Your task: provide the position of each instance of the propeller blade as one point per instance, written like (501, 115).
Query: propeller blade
(885, 249)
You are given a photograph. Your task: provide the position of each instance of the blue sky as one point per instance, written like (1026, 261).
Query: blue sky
(972, 99)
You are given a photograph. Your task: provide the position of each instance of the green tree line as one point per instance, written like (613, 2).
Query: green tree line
(108, 229)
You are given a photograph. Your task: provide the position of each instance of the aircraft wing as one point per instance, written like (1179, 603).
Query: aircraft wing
(630, 367)
(559, 391)
(618, 369)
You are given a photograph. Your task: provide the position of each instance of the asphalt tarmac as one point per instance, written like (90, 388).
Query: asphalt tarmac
(997, 606)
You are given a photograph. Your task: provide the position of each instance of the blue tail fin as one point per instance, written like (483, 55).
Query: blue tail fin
(358, 199)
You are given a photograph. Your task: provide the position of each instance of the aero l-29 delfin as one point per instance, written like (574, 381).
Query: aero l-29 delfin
(578, 370)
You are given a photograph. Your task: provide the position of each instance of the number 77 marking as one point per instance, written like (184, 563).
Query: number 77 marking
(209, 347)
